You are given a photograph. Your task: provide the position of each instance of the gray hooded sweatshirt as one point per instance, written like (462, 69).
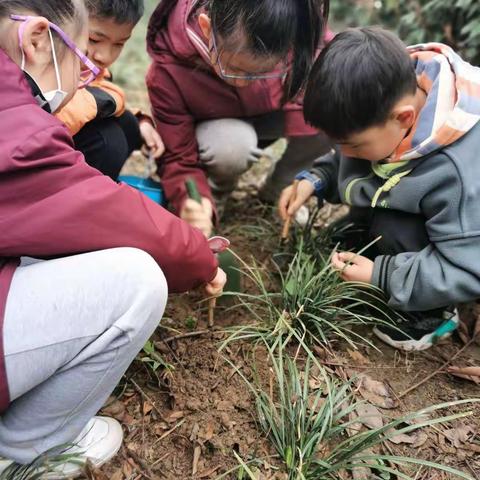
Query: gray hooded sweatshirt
(434, 173)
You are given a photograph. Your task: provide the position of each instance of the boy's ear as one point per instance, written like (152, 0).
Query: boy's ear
(36, 42)
(405, 116)
(205, 25)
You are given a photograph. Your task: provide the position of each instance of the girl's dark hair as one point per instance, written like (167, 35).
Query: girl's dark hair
(275, 28)
(357, 80)
(56, 11)
(122, 11)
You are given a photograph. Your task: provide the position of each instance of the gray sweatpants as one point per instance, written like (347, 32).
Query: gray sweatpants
(72, 328)
(228, 146)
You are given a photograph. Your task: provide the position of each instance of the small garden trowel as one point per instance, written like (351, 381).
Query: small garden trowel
(227, 261)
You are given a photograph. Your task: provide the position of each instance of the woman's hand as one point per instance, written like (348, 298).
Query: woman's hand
(199, 216)
(215, 287)
(353, 268)
(287, 207)
(152, 139)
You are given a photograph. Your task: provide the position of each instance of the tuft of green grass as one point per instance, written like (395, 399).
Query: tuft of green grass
(312, 300)
(153, 359)
(191, 322)
(44, 464)
(311, 426)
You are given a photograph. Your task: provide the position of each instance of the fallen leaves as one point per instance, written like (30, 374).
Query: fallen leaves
(375, 392)
(469, 327)
(358, 357)
(370, 416)
(415, 439)
(459, 435)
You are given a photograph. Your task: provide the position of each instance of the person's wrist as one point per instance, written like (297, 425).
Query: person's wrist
(145, 121)
(316, 181)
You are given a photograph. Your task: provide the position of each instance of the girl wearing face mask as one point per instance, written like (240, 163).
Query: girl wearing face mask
(226, 78)
(85, 264)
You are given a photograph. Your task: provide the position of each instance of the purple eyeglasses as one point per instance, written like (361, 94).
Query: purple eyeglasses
(250, 77)
(89, 73)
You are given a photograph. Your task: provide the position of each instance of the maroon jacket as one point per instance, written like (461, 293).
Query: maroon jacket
(184, 89)
(53, 204)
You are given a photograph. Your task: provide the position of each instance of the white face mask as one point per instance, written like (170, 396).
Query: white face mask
(54, 98)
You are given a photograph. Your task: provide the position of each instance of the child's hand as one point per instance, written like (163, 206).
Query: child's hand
(152, 139)
(199, 216)
(353, 268)
(286, 207)
(215, 287)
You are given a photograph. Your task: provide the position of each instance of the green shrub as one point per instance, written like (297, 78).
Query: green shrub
(455, 22)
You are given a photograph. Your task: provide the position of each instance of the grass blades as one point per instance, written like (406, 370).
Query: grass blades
(311, 426)
(310, 298)
(46, 463)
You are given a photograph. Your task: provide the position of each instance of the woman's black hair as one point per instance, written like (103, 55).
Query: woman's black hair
(276, 28)
(56, 11)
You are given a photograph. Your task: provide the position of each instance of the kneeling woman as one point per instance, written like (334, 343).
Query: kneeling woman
(226, 78)
(85, 264)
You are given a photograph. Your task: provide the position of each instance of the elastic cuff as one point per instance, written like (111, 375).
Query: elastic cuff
(317, 182)
(382, 272)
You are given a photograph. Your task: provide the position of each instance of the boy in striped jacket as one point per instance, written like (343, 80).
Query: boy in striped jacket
(406, 125)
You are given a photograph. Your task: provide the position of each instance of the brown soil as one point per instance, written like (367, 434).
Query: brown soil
(185, 422)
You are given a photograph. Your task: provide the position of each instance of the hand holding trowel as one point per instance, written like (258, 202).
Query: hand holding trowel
(219, 245)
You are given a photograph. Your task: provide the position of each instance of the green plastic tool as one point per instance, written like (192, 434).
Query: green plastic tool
(228, 262)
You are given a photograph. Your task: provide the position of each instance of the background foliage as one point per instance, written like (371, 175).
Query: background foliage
(455, 22)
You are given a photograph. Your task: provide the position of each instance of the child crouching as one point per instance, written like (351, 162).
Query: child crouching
(406, 122)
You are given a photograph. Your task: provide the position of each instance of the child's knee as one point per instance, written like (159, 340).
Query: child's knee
(148, 289)
(225, 146)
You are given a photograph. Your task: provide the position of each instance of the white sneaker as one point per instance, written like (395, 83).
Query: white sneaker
(4, 464)
(98, 442)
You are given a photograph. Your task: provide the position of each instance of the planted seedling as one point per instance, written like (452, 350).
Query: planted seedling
(191, 322)
(312, 300)
(311, 426)
(153, 359)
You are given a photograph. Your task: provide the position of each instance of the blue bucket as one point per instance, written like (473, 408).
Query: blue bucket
(147, 186)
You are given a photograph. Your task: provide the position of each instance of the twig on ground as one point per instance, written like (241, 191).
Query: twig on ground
(166, 434)
(437, 371)
(184, 335)
(161, 459)
(140, 461)
(139, 389)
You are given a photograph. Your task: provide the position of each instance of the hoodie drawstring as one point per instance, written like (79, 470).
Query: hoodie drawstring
(393, 181)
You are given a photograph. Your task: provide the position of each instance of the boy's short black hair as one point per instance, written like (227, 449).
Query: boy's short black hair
(122, 11)
(357, 80)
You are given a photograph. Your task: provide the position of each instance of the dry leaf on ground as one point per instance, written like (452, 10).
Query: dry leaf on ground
(375, 392)
(370, 416)
(115, 409)
(459, 435)
(416, 439)
(361, 473)
(469, 326)
(196, 458)
(358, 357)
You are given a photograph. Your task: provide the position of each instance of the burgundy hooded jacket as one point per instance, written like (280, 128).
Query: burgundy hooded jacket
(53, 204)
(184, 90)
